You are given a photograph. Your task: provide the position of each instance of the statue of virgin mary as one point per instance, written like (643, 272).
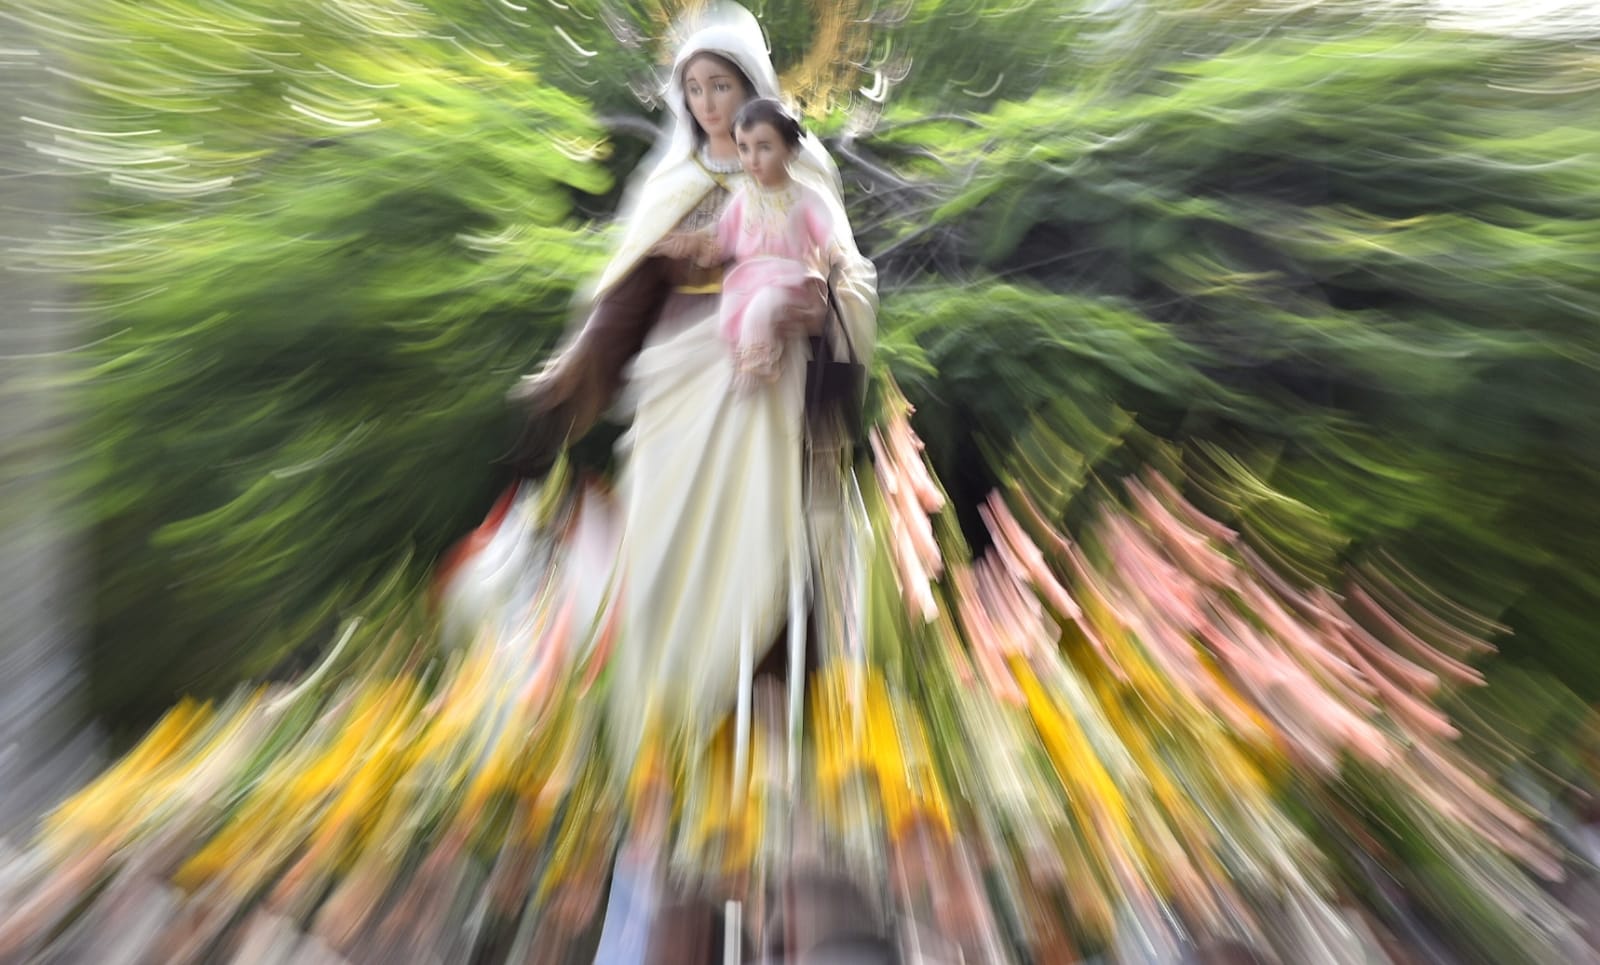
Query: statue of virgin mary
(713, 546)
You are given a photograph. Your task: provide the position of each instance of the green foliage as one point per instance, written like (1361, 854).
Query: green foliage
(293, 400)
(1341, 270)
(1363, 256)
(1354, 253)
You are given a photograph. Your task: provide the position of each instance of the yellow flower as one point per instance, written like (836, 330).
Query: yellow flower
(110, 800)
(1092, 793)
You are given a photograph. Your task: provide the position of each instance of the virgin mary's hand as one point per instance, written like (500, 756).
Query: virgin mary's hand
(804, 315)
(676, 246)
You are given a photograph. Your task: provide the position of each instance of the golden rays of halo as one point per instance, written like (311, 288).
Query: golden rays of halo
(828, 73)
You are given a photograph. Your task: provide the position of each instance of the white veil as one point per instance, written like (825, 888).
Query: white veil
(731, 32)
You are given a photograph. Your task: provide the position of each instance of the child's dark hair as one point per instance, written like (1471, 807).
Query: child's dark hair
(765, 110)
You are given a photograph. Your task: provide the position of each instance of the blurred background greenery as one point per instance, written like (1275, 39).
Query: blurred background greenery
(1335, 261)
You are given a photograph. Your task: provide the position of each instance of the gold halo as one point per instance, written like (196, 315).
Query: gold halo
(828, 72)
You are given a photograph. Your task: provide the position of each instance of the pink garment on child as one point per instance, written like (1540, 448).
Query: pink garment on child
(773, 237)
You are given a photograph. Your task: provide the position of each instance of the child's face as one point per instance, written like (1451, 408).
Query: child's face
(764, 154)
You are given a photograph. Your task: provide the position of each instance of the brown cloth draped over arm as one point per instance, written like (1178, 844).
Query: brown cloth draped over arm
(564, 401)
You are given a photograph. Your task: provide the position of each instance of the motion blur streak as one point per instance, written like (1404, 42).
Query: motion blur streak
(1217, 582)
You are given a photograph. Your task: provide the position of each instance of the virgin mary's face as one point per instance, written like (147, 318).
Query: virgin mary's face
(715, 90)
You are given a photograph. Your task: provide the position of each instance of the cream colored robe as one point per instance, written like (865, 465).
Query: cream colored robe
(712, 535)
